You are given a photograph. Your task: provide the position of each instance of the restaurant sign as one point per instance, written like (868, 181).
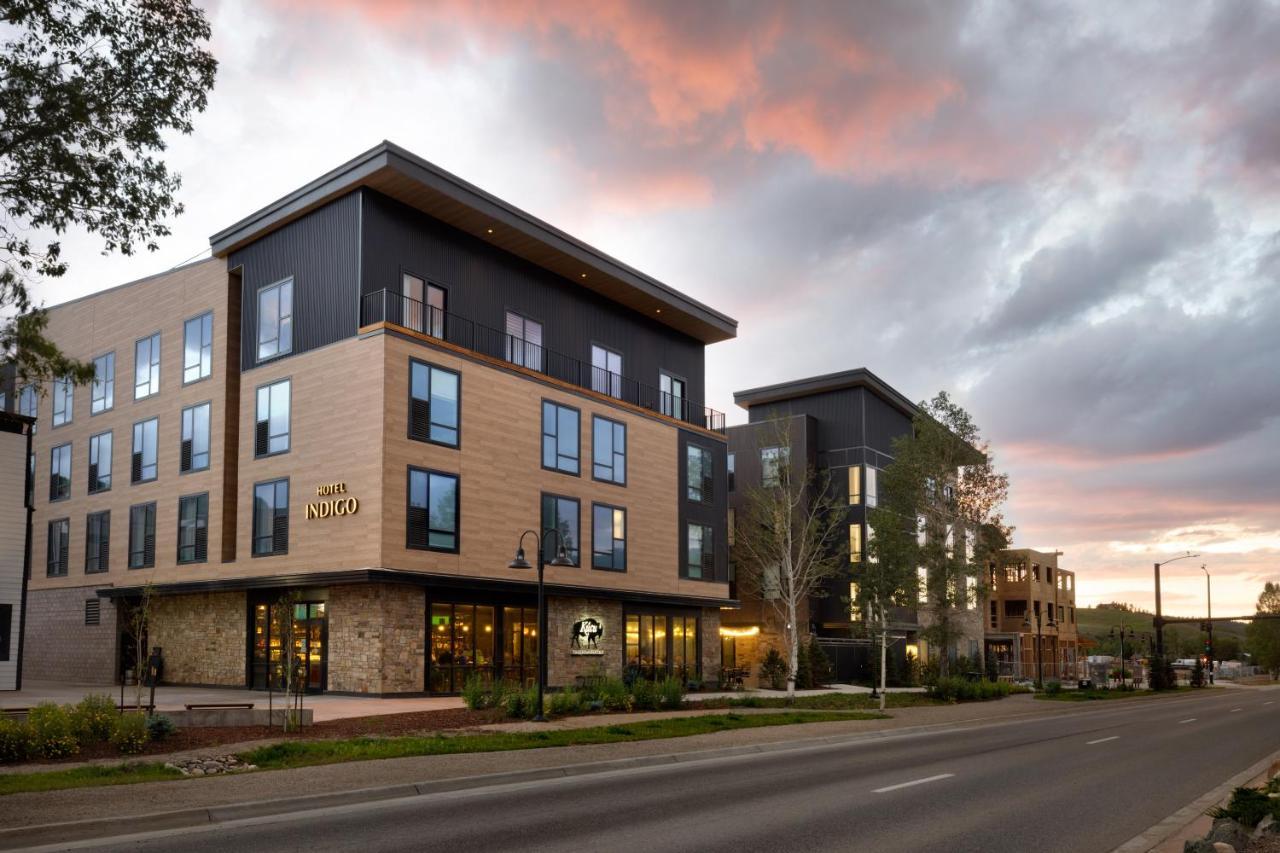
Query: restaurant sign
(331, 502)
(585, 636)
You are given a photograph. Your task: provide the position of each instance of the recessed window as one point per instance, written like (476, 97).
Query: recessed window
(271, 518)
(433, 404)
(197, 348)
(524, 341)
(102, 395)
(561, 514)
(433, 510)
(606, 371)
(855, 543)
(700, 558)
(193, 454)
(27, 401)
(60, 473)
(855, 484)
(423, 306)
(560, 437)
(773, 460)
(609, 450)
(142, 536)
(728, 471)
(146, 367)
(608, 538)
(193, 528)
(142, 462)
(671, 399)
(869, 493)
(99, 463)
(97, 542)
(275, 319)
(59, 547)
(271, 424)
(63, 398)
(699, 479)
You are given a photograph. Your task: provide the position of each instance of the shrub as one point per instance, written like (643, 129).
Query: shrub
(16, 741)
(774, 670)
(614, 695)
(95, 719)
(671, 691)
(521, 704)
(1052, 688)
(159, 727)
(645, 695)
(804, 671)
(1248, 806)
(566, 702)
(130, 737)
(820, 664)
(476, 693)
(52, 731)
(957, 689)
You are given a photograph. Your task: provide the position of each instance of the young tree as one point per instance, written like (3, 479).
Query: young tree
(790, 540)
(1263, 635)
(138, 625)
(88, 89)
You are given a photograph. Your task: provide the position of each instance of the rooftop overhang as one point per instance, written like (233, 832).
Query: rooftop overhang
(395, 172)
(858, 378)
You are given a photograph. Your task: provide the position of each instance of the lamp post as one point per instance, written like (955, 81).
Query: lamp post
(1158, 621)
(1121, 626)
(519, 562)
(1026, 623)
(1208, 597)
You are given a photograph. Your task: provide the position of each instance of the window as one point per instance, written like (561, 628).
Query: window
(559, 437)
(606, 371)
(773, 460)
(194, 453)
(855, 612)
(608, 537)
(27, 401)
(102, 396)
(275, 320)
(271, 424)
(922, 584)
(197, 348)
(59, 545)
(561, 514)
(4, 402)
(658, 645)
(870, 492)
(460, 645)
(433, 510)
(699, 482)
(63, 398)
(433, 404)
(855, 543)
(524, 341)
(146, 367)
(609, 450)
(855, 485)
(271, 518)
(423, 306)
(142, 536)
(92, 611)
(671, 396)
(142, 465)
(700, 561)
(97, 542)
(60, 473)
(728, 469)
(6, 629)
(193, 528)
(99, 463)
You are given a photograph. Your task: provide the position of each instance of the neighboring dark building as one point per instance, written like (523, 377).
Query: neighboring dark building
(15, 542)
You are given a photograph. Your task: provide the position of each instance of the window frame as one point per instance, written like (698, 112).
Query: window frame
(666, 399)
(609, 375)
(155, 343)
(508, 349)
(707, 486)
(254, 534)
(428, 284)
(201, 348)
(64, 558)
(95, 445)
(108, 398)
(267, 386)
(259, 358)
(542, 526)
(777, 467)
(613, 463)
(103, 517)
(613, 541)
(542, 454)
(53, 460)
(457, 429)
(457, 510)
(707, 533)
(64, 391)
(182, 431)
(195, 545)
(729, 471)
(150, 507)
(133, 449)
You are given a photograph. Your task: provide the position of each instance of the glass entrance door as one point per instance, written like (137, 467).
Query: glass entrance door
(303, 627)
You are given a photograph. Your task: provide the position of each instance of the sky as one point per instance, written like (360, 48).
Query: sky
(1066, 215)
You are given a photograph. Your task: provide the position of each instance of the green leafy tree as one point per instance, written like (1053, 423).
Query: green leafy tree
(88, 90)
(1263, 635)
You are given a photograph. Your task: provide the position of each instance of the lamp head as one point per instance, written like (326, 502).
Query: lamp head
(562, 557)
(519, 562)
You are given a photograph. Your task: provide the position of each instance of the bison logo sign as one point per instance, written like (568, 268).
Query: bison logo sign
(585, 639)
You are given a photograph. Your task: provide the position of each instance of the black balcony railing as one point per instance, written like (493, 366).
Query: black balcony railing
(388, 306)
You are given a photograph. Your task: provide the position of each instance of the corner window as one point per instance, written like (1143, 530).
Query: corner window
(271, 518)
(700, 562)
(275, 320)
(671, 396)
(146, 367)
(63, 398)
(423, 306)
(142, 536)
(193, 528)
(606, 371)
(142, 463)
(699, 481)
(99, 463)
(560, 513)
(193, 454)
(58, 547)
(97, 542)
(60, 473)
(433, 511)
(524, 341)
(102, 396)
(559, 437)
(608, 538)
(197, 348)
(271, 423)
(609, 450)
(773, 460)
(869, 494)
(433, 404)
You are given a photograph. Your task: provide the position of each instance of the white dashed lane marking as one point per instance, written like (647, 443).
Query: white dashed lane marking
(889, 788)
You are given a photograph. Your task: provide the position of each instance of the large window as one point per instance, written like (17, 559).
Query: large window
(271, 423)
(194, 453)
(608, 537)
(60, 473)
(524, 341)
(773, 461)
(142, 463)
(271, 518)
(462, 645)
(142, 536)
(102, 396)
(671, 396)
(559, 437)
(63, 400)
(197, 348)
(608, 450)
(700, 559)
(855, 484)
(99, 463)
(423, 306)
(146, 367)
(699, 480)
(855, 542)
(97, 542)
(433, 510)
(193, 528)
(58, 547)
(606, 371)
(275, 320)
(561, 513)
(658, 645)
(433, 404)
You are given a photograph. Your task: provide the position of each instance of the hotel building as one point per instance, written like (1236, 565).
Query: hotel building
(357, 405)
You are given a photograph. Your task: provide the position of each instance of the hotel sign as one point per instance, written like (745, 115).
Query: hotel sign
(331, 503)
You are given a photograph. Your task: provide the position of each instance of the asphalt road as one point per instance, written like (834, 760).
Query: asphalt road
(1084, 782)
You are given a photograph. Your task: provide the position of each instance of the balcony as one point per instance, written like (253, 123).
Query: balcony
(388, 306)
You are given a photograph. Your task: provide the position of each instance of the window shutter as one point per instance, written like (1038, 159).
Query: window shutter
(149, 546)
(707, 481)
(280, 532)
(202, 543)
(135, 468)
(53, 487)
(420, 419)
(260, 438)
(185, 463)
(93, 476)
(417, 527)
(62, 557)
(708, 554)
(104, 548)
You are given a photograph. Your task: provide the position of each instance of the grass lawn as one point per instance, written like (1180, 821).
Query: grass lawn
(823, 702)
(86, 777)
(1097, 695)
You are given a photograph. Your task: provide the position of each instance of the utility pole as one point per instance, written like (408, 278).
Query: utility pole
(1208, 595)
(1158, 621)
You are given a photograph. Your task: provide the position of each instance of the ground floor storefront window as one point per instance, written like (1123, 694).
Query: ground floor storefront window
(302, 625)
(662, 644)
(480, 640)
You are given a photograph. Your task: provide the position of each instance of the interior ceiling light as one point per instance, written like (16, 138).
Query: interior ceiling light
(584, 275)
(490, 230)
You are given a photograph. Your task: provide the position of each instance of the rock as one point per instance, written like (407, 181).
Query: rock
(1267, 826)
(1223, 847)
(1227, 831)
(1199, 845)
(196, 771)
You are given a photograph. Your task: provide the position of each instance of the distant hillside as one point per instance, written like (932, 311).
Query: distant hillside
(1095, 623)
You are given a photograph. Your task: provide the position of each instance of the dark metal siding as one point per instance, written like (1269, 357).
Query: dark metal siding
(321, 252)
(715, 514)
(483, 282)
(848, 418)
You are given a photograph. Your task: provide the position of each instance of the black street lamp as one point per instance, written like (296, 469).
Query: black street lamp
(1026, 623)
(1158, 621)
(1208, 626)
(1112, 634)
(561, 559)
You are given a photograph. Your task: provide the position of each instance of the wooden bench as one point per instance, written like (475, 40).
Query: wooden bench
(150, 709)
(219, 706)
